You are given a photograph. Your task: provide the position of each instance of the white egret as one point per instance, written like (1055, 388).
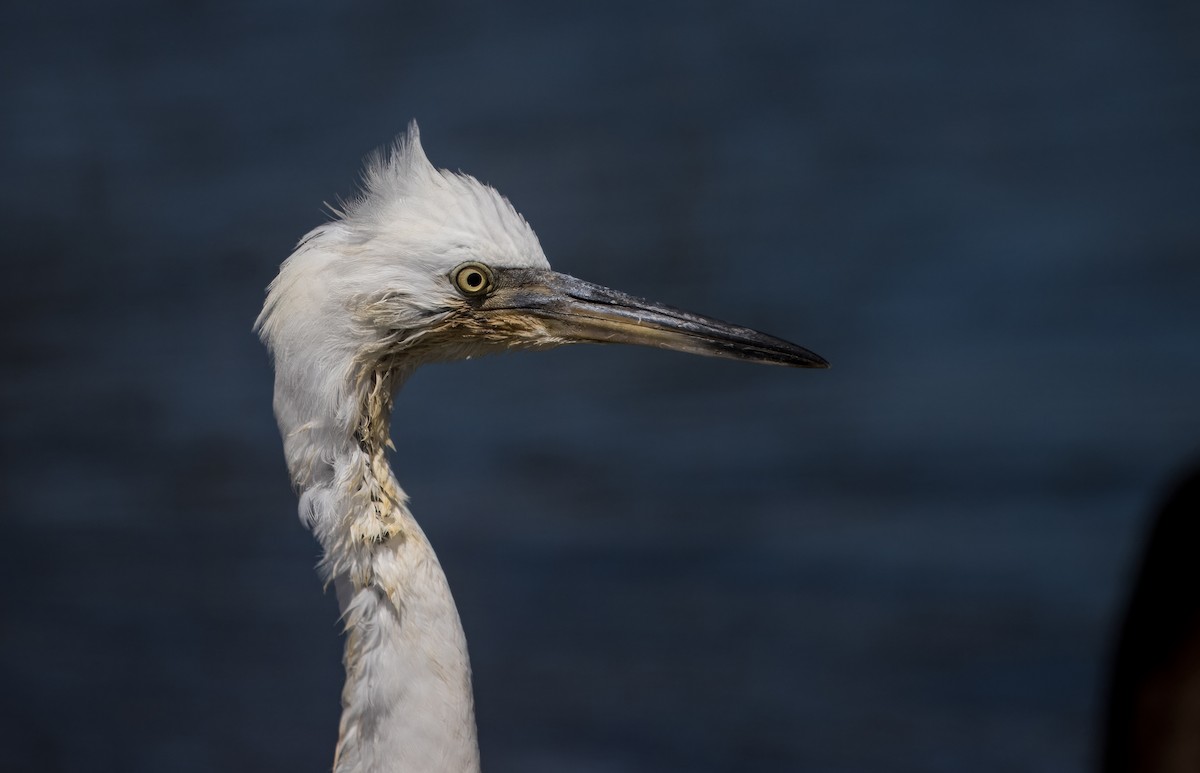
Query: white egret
(424, 265)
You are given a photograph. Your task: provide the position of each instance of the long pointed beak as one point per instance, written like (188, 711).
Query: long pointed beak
(578, 311)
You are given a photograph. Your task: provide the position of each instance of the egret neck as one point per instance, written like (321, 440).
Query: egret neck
(407, 702)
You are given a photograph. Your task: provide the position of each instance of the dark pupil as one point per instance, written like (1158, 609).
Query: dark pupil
(474, 279)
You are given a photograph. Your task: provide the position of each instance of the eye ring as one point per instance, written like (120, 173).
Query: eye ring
(473, 279)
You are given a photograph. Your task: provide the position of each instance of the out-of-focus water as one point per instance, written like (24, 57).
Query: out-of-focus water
(984, 215)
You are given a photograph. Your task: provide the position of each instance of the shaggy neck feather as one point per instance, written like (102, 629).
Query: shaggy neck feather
(407, 703)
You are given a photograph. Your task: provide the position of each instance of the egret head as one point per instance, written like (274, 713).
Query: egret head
(430, 265)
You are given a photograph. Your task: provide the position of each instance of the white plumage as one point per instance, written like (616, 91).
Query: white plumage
(424, 265)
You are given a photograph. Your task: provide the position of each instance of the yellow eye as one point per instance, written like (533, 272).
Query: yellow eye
(472, 279)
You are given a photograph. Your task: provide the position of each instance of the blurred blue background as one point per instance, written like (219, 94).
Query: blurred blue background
(984, 214)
